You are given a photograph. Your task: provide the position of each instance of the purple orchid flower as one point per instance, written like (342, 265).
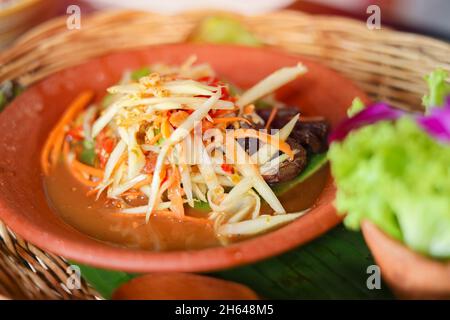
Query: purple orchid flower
(436, 124)
(374, 113)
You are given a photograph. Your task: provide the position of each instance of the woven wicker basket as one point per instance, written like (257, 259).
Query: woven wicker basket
(388, 65)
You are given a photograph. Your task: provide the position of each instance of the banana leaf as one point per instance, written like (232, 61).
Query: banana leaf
(330, 267)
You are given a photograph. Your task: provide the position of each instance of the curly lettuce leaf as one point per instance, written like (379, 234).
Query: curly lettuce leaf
(222, 29)
(356, 107)
(139, 73)
(438, 88)
(397, 176)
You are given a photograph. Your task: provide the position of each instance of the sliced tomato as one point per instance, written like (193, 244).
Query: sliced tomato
(104, 145)
(227, 168)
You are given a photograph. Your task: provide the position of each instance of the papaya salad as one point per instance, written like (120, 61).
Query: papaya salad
(176, 140)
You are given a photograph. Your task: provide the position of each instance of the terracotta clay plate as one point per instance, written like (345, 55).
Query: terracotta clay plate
(25, 124)
(182, 286)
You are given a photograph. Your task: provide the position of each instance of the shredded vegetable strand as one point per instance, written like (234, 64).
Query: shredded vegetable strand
(247, 169)
(55, 140)
(178, 135)
(270, 84)
(163, 137)
(266, 152)
(261, 224)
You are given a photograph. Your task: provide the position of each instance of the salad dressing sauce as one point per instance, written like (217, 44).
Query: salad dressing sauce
(102, 221)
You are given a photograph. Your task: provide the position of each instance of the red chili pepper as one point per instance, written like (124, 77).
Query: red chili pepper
(75, 133)
(227, 168)
(108, 144)
(213, 81)
(104, 145)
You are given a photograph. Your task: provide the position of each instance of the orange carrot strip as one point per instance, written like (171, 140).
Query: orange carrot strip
(57, 146)
(177, 118)
(45, 165)
(165, 128)
(80, 102)
(155, 138)
(249, 109)
(87, 169)
(269, 139)
(79, 176)
(221, 113)
(230, 119)
(206, 125)
(174, 194)
(272, 115)
(55, 139)
(66, 150)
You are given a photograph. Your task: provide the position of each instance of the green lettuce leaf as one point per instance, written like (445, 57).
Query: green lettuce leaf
(397, 176)
(438, 88)
(139, 73)
(356, 107)
(221, 29)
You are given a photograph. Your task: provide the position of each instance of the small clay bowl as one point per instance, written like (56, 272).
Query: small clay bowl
(409, 274)
(25, 124)
(182, 286)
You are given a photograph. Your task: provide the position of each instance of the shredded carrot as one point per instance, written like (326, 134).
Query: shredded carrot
(206, 125)
(230, 119)
(45, 164)
(66, 150)
(55, 139)
(79, 176)
(177, 118)
(174, 193)
(272, 115)
(165, 128)
(87, 169)
(266, 138)
(163, 173)
(249, 109)
(167, 180)
(221, 113)
(155, 138)
(57, 146)
(80, 102)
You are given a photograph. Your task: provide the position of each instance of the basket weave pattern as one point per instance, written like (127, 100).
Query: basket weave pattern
(388, 65)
